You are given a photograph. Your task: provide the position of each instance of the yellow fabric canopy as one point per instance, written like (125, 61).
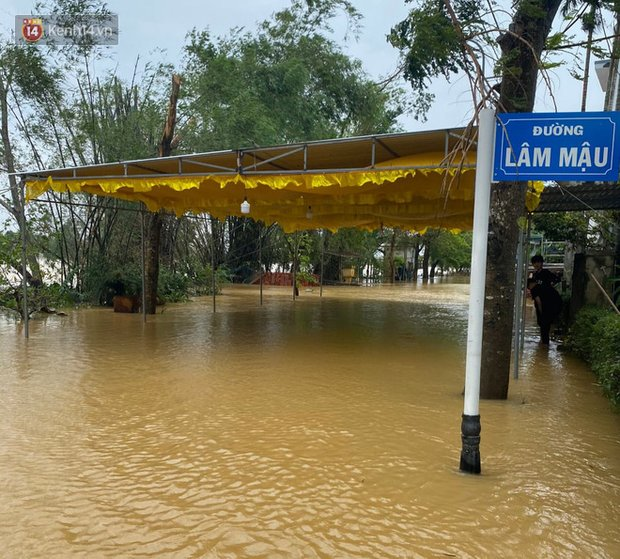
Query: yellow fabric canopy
(413, 192)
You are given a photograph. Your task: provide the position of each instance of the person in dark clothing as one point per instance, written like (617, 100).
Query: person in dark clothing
(548, 305)
(541, 275)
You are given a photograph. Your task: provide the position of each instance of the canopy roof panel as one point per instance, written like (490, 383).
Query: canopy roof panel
(580, 197)
(410, 180)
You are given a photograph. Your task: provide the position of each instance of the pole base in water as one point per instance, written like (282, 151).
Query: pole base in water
(470, 435)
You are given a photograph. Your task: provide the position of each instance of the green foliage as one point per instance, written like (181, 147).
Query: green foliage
(76, 13)
(349, 247)
(10, 255)
(172, 287)
(606, 358)
(45, 297)
(583, 229)
(128, 116)
(591, 18)
(56, 296)
(595, 336)
(615, 283)
(442, 39)
(567, 226)
(430, 44)
(580, 338)
(306, 253)
(242, 256)
(9, 299)
(202, 280)
(103, 280)
(452, 250)
(303, 17)
(26, 71)
(287, 82)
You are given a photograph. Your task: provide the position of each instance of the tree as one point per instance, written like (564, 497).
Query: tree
(286, 82)
(591, 19)
(443, 38)
(58, 115)
(156, 219)
(452, 251)
(567, 226)
(351, 248)
(26, 83)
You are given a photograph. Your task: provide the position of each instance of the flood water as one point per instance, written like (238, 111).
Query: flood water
(325, 427)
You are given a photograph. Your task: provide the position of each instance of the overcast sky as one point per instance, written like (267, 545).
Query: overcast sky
(145, 26)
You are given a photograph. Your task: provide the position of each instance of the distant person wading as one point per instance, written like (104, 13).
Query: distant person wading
(547, 300)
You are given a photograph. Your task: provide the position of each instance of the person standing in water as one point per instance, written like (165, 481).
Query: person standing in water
(548, 304)
(541, 275)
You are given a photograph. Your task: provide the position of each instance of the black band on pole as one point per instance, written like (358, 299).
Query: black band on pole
(470, 435)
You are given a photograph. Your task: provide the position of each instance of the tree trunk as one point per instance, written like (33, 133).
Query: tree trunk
(521, 50)
(17, 208)
(390, 258)
(579, 281)
(151, 260)
(416, 260)
(426, 260)
(506, 203)
(154, 225)
(586, 66)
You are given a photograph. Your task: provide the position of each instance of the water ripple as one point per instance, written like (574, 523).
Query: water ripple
(324, 428)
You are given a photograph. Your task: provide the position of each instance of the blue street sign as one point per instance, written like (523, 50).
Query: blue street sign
(557, 146)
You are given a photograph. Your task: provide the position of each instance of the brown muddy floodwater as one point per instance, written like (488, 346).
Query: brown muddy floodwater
(326, 427)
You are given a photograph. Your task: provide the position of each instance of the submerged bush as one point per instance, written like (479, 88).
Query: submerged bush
(580, 338)
(606, 358)
(102, 282)
(43, 297)
(202, 280)
(595, 336)
(172, 286)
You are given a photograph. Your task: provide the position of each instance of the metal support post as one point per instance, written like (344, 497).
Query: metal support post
(25, 311)
(295, 254)
(143, 262)
(260, 263)
(322, 261)
(213, 282)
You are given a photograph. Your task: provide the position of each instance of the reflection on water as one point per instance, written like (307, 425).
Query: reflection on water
(325, 427)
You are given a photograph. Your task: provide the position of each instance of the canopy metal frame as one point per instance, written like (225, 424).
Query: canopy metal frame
(263, 157)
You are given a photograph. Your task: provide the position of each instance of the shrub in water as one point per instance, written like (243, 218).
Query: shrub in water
(606, 358)
(595, 336)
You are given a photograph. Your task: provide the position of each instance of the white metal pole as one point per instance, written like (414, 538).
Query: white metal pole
(470, 427)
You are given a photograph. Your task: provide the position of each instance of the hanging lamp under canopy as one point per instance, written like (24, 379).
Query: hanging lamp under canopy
(411, 180)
